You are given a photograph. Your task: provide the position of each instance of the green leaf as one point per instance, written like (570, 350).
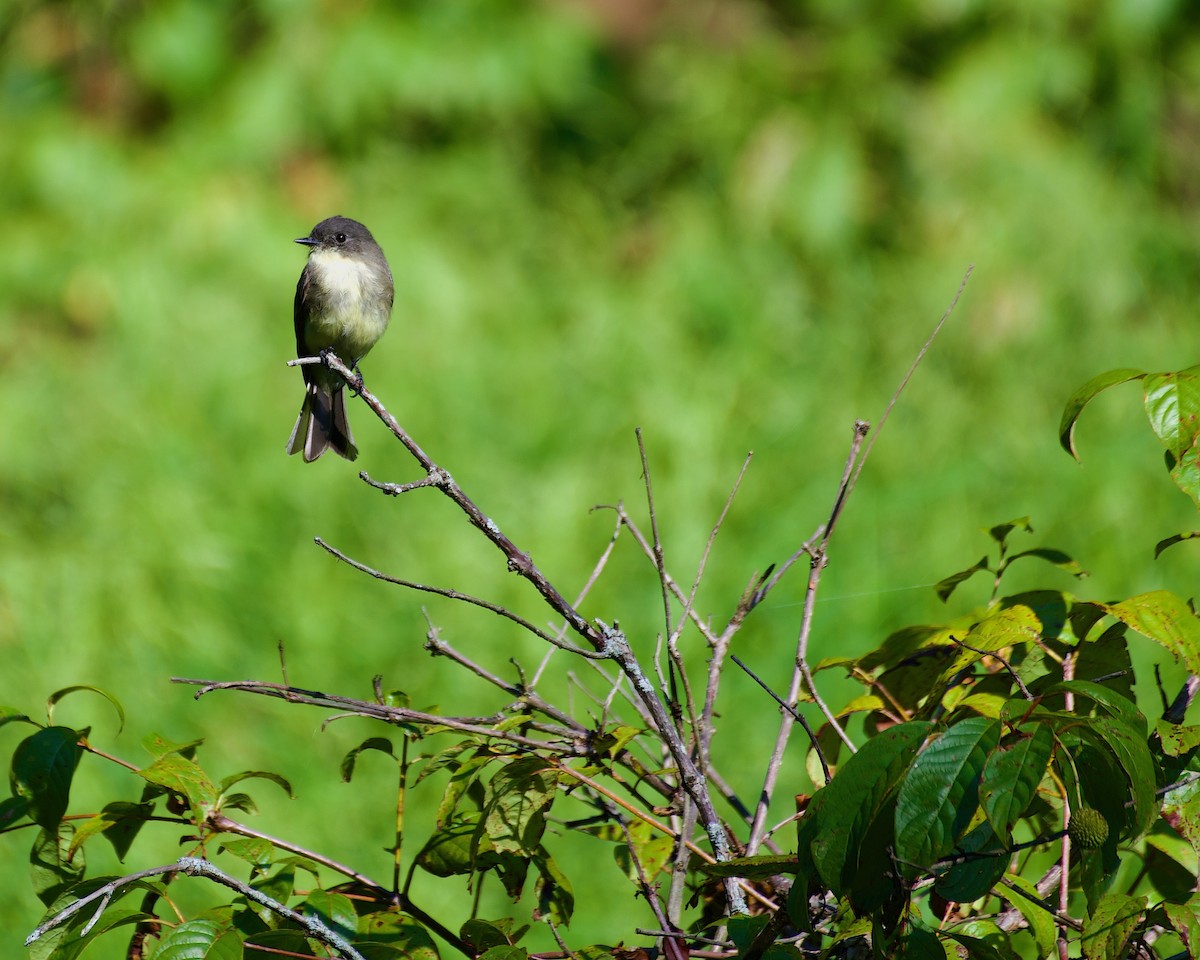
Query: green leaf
(1107, 931)
(399, 931)
(1171, 541)
(119, 823)
(448, 852)
(1083, 396)
(970, 936)
(651, 848)
(941, 792)
(841, 813)
(1134, 758)
(381, 744)
(68, 941)
(58, 695)
(1181, 809)
(1000, 531)
(200, 940)
(920, 944)
(43, 767)
(555, 898)
(948, 585)
(158, 746)
(1006, 627)
(177, 773)
(1165, 619)
(1173, 405)
(12, 809)
(483, 935)
(55, 863)
(1057, 558)
(1114, 704)
(1177, 740)
(517, 798)
(1185, 918)
(13, 715)
(1037, 912)
(267, 775)
(334, 910)
(971, 879)
(754, 868)
(505, 953)
(1011, 776)
(254, 851)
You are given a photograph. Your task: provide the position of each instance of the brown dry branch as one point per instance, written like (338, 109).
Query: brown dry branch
(608, 641)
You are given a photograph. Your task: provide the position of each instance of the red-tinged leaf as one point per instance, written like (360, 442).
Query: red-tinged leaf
(1173, 406)
(1185, 918)
(1181, 809)
(1083, 396)
(940, 794)
(1164, 618)
(43, 766)
(1011, 776)
(176, 772)
(848, 806)
(1177, 739)
(1107, 931)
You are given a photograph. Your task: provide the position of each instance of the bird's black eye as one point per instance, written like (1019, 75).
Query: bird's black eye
(340, 238)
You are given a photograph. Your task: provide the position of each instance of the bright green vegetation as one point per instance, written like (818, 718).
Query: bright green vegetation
(732, 226)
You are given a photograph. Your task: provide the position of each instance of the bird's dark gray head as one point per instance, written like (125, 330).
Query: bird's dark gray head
(339, 233)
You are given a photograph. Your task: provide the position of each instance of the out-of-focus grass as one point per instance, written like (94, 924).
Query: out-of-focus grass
(731, 224)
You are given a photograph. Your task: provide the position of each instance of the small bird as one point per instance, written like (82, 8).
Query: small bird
(343, 303)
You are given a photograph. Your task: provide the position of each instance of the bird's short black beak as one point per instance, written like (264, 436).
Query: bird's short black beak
(308, 241)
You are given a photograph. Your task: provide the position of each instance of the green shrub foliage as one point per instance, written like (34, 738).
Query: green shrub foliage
(993, 790)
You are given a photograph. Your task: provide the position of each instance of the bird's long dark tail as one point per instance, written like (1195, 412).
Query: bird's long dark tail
(322, 425)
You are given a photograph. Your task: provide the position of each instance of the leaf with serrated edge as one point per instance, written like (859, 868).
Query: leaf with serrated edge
(855, 795)
(1108, 929)
(941, 792)
(1164, 618)
(1011, 776)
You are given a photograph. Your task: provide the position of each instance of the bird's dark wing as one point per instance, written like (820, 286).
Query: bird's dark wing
(299, 318)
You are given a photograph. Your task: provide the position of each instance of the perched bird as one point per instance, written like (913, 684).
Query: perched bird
(343, 303)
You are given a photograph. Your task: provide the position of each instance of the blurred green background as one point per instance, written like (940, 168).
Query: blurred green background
(730, 223)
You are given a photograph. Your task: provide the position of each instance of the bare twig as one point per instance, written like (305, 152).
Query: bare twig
(455, 595)
(195, 867)
(477, 726)
(605, 640)
(659, 557)
(790, 709)
(801, 672)
(999, 659)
